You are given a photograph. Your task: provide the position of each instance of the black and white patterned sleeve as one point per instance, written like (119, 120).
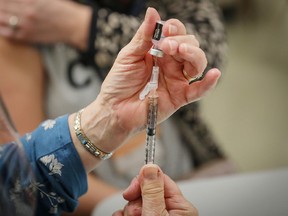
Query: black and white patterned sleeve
(114, 31)
(110, 31)
(202, 18)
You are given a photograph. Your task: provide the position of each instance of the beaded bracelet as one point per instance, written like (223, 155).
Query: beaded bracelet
(85, 141)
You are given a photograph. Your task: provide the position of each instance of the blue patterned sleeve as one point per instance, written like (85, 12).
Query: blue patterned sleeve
(60, 175)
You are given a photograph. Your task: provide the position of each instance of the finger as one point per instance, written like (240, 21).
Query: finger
(141, 42)
(171, 188)
(118, 213)
(133, 191)
(195, 59)
(11, 10)
(176, 200)
(192, 57)
(12, 7)
(177, 41)
(4, 18)
(7, 29)
(151, 180)
(133, 208)
(173, 27)
(10, 31)
(200, 88)
(6, 32)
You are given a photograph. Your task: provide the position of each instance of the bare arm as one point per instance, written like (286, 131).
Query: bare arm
(21, 84)
(46, 22)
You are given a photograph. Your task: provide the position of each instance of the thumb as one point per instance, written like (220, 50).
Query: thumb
(152, 188)
(141, 42)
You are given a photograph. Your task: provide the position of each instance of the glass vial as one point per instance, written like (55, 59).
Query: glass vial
(156, 39)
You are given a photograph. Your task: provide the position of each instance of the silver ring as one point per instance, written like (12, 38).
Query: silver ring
(13, 22)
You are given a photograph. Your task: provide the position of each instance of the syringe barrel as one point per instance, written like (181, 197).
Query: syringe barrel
(151, 127)
(150, 149)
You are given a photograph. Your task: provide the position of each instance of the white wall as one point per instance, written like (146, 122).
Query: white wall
(248, 111)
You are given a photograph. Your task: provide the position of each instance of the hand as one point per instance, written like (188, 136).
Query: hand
(118, 113)
(42, 21)
(132, 70)
(154, 193)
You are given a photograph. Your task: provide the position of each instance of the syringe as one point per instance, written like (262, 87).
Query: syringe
(151, 126)
(152, 115)
(151, 90)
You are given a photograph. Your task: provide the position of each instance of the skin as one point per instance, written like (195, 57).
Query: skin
(22, 90)
(38, 17)
(153, 193)
(118, 100)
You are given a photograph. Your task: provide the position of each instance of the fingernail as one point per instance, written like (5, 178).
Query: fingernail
(150, 172)
(172, 29)
(147, 12)
(173, 45)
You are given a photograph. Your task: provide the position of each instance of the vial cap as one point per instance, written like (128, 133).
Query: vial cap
(156, 52)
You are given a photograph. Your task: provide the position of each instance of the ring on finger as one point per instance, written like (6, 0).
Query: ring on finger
(189, 78)
(13, 22)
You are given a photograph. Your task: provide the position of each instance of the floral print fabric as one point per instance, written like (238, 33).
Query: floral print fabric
(60, 177)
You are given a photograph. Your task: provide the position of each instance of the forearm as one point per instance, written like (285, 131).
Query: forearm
(77, 27)
(22, 84)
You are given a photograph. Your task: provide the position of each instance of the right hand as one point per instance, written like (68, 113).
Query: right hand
(155, 194)
(42, 21)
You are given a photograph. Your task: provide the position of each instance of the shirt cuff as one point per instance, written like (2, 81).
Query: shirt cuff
(56, 162)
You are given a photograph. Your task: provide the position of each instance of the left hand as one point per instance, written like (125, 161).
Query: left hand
(117, 112)
(120, 112)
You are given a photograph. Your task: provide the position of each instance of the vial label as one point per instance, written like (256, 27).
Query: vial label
(157, 31)
(157, 39)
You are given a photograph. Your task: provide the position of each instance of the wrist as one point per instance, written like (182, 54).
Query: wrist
(78, 26)
(86, 142)
(101, 124)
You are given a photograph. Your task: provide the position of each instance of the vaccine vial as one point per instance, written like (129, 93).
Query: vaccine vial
(156, 39)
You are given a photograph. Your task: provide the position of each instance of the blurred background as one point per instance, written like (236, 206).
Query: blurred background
(248, 111)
